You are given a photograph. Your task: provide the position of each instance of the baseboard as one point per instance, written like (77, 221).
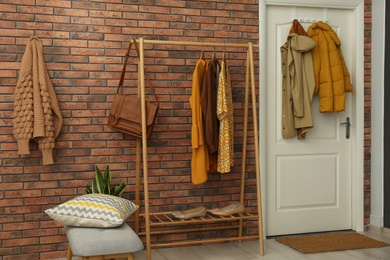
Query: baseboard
(376, 220)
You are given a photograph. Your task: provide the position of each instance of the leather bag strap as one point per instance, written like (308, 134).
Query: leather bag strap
(124, 70)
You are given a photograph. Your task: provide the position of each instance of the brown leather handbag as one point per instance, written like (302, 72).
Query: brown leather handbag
(125, 114)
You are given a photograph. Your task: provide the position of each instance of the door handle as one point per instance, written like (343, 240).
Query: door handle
(347, 127)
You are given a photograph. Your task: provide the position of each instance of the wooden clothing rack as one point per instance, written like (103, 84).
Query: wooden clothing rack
(163, 219)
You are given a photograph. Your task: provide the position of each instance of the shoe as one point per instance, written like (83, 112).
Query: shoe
(191, 213)
(228, 210)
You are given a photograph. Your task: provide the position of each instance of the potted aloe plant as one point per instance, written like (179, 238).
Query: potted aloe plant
(102, 184)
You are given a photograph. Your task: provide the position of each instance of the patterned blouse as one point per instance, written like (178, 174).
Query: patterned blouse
(225, 116)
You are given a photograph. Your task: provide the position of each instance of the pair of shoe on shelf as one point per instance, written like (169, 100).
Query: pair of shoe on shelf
(201, 211)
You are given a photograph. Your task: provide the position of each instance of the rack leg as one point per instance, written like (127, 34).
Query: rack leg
(138, 167)
(137, 184)
(258, 187)
(244, 141)
(145, 151)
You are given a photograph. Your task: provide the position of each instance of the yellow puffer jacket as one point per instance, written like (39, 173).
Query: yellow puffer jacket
(331, 73)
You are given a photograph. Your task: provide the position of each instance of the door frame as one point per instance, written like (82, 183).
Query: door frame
(386, 143)
(378, 110)
(357, 129)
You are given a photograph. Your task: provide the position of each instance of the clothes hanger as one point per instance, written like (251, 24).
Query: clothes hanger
(223, 57)
(214, 52)
(202, 54)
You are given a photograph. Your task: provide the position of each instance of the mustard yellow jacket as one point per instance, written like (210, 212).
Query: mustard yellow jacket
(331, 73)
(200, 155)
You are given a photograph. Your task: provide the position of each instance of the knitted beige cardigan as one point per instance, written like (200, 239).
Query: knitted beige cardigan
(37, 115)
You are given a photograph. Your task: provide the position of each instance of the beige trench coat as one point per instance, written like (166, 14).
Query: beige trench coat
(297, 85)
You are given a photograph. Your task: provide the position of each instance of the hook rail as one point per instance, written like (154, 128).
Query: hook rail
(208, 44)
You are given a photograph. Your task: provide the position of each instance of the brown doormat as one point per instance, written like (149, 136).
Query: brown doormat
(330, 242)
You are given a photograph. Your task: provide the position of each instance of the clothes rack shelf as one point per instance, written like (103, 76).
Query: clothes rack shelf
(203, 241)
(163, 219)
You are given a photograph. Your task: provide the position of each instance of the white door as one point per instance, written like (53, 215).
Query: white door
(308, 181)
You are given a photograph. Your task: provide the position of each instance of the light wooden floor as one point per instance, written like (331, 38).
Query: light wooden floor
(273, 251)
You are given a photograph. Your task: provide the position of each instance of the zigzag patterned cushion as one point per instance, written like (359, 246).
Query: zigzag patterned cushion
(93, 210)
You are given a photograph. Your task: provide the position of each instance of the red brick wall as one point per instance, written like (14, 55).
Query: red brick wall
(84, 43)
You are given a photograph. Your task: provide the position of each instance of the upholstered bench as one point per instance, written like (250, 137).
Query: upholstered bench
(102, 243)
